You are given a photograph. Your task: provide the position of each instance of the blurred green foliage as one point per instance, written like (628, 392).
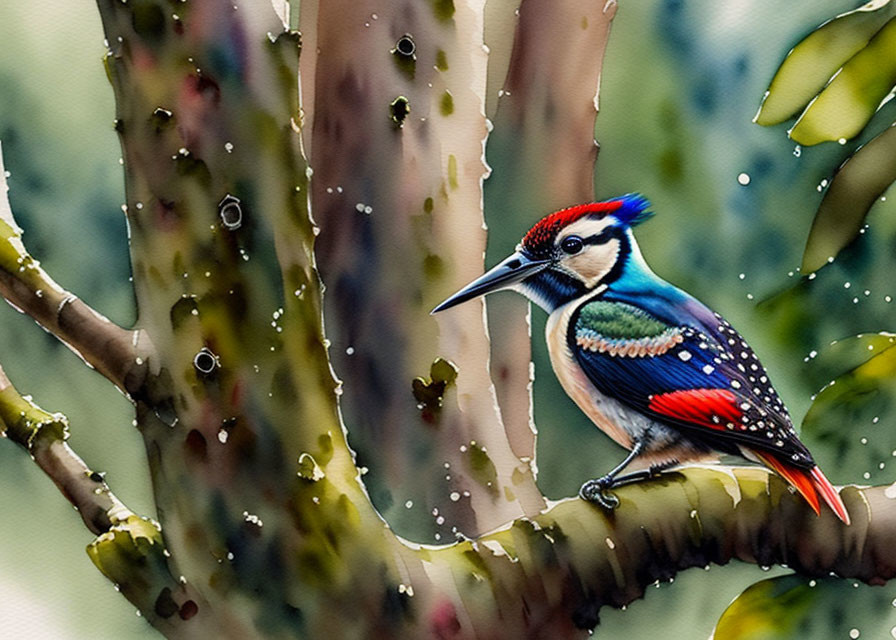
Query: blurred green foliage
(839, 76)
(811, 63)
(794, 607)
(681, 84)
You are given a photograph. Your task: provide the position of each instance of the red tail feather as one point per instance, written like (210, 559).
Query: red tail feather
(810, 484)
(829, 494)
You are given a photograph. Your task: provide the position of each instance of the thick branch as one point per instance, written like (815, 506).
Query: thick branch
(113, 351)
(550, 575)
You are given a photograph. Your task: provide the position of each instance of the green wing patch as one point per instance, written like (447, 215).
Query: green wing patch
(619, 329)
(616, 320)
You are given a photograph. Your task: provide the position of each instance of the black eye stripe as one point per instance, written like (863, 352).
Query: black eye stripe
(601, 238)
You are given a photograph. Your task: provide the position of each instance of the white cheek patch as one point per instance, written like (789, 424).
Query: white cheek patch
(593, 263)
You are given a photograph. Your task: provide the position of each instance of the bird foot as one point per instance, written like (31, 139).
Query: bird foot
(596, 490)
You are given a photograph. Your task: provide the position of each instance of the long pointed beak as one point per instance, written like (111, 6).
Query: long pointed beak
(513, 269)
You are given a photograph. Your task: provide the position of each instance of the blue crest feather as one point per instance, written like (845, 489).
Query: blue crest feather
(634, 210)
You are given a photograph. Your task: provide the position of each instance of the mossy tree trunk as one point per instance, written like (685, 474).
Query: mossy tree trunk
(265, 527)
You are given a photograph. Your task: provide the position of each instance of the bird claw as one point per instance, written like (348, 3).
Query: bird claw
(596, 491)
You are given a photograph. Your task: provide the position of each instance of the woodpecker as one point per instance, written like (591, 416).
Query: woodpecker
(654, 368)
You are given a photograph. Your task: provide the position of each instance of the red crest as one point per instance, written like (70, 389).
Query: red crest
(539, 242)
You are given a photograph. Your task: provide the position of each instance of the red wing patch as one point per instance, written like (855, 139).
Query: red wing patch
(713, 408)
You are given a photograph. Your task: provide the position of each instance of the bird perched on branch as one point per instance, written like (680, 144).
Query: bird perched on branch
(653, 367)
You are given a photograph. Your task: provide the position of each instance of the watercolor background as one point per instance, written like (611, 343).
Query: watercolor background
(682, 81)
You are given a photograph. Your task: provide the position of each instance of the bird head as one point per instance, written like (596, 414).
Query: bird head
(565, 255)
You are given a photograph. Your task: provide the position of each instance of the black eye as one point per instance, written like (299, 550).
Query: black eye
(572, 244)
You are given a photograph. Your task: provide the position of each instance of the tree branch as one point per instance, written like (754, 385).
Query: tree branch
(115, 352)
(129, 548)
(44, 436)
(550, 575)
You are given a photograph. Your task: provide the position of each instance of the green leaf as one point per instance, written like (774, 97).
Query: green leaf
(768, 609)
(846, 105)
(811, 63)
(795, 607)
(849, 417)
(858, 183)
(879, 368)
(846, 354)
